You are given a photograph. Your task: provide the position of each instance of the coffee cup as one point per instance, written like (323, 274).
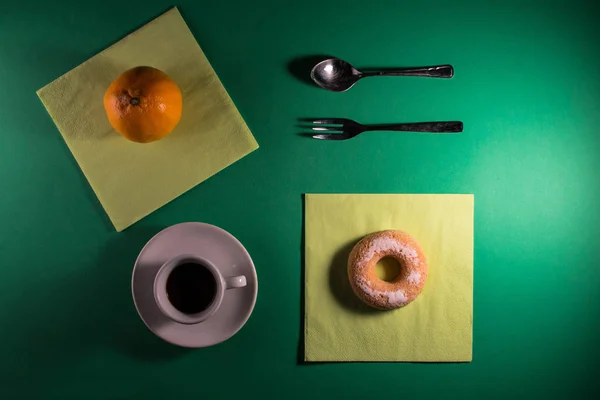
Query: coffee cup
(189, 289)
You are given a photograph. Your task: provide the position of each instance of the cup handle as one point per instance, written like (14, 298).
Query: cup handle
(233, 282)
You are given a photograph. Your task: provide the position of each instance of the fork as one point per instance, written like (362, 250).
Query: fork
(343, 128)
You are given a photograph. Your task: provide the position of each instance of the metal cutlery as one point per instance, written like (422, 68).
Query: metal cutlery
(343, 128)
(339, 75)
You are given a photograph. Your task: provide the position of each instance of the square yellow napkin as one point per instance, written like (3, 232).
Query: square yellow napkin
(437, 326)
(132, 180)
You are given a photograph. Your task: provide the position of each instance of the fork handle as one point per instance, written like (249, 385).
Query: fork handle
(437, 71)
(439, 127)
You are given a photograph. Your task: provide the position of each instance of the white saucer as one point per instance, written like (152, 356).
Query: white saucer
(221, 249)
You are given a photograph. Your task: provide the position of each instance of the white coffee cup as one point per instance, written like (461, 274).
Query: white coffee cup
(222, 284)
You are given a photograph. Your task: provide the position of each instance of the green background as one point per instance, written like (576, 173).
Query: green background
(527, 89)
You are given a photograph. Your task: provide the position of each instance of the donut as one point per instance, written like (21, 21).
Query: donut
(405, 287)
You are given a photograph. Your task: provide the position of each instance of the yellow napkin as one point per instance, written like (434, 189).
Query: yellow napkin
(437, 326)
(132, 180)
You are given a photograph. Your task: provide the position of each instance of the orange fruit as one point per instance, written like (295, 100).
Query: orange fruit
(143, 104)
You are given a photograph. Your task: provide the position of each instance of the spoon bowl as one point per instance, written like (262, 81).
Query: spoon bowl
(335, 75)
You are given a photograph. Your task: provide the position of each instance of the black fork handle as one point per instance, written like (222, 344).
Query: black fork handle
(439, 127)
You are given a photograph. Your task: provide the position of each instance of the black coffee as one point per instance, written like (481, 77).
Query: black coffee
(191, 288)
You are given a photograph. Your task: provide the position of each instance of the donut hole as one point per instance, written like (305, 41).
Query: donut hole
(388, 269)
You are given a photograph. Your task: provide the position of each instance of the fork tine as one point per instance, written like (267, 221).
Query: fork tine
(327, 128)
(331, 137)
(330, 121)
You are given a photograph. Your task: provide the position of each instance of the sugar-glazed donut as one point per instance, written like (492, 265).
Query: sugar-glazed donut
(405, 287)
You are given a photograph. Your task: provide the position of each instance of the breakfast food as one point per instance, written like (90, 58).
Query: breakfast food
(401, 290)
(143, 104)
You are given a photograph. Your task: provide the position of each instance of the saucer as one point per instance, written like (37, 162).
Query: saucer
(220, 248)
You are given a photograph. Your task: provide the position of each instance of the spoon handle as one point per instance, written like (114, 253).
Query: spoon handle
(438, 71)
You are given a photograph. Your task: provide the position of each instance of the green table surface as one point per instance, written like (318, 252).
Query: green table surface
(527, 89)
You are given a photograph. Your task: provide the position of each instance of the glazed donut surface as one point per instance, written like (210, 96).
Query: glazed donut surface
(405, 287)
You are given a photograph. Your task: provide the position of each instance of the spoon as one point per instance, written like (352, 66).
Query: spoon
(338, 75)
